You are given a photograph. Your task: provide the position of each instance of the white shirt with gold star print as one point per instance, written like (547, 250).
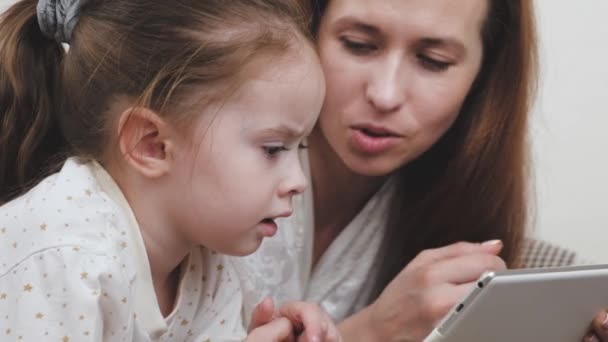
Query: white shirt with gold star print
(73, 267)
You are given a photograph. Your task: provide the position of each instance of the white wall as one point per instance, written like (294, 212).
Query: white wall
(570, 125)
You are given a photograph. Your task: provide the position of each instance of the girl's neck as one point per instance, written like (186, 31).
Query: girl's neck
(339, 193)
(166, 250)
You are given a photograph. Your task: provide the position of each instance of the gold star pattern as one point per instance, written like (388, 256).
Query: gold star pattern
(14, 245)
(3, 230)
(65, 339)
(43, 227)
(27, 288)
(84, 275)
(3, 296)
(88, 192)
(220, 267)
(184, 322)
(124, 300)
(69, 198)
(76, 249)
(39, 315)
(81, 317)
(222, 322)
(123, 245)
(8, 331)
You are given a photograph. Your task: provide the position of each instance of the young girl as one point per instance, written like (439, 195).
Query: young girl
(181, 121)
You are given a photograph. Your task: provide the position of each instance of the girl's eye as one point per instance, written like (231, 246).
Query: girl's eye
(273, 151)
(357, 47)
(433, 64)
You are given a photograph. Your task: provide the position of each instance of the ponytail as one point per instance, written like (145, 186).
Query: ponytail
(30, 138)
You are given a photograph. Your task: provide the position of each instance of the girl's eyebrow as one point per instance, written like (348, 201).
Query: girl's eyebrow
(284, 130)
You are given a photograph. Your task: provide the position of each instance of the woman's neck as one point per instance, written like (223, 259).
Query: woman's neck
(339, 193)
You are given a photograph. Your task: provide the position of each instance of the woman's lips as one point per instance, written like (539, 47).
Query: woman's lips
(373, 140)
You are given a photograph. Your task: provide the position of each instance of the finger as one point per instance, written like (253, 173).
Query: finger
(279, 330)
(262, 313)
(461, 269)
(440, 300)
(430, 256)
(333, 334)
(600, 326)
(308, 318)
(591, 337)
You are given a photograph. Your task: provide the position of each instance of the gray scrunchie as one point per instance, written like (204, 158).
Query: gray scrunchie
(57, 18)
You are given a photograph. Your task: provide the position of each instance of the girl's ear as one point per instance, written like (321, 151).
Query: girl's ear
(145, 141)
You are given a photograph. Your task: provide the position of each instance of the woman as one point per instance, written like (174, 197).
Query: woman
(421, 143)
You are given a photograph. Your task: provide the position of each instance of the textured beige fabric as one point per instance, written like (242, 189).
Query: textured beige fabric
(539, 253)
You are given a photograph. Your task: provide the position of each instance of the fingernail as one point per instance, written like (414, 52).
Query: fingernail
(605, 321)
(492, 242)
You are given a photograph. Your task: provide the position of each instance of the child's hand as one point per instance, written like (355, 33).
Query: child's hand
(266, 326)
(305, 321)
(310, 322)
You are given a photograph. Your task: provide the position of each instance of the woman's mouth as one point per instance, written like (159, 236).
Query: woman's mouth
(373, 140)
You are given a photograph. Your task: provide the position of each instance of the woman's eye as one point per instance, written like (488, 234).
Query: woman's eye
(358, 47)
(433, 64)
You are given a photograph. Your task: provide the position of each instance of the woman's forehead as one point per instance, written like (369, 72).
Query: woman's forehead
(426, 17)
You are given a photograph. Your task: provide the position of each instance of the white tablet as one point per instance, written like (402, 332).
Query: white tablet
(551, 304)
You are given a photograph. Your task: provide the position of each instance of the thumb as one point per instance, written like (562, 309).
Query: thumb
(262, 314)
(492, 246)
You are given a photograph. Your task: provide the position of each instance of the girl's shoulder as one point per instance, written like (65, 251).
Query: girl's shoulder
(66, 209)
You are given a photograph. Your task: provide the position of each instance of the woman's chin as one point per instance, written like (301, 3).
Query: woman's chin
(379, 166)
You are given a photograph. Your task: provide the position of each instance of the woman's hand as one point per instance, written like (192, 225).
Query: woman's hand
(598, 331)
(422, 294)
(305, 322)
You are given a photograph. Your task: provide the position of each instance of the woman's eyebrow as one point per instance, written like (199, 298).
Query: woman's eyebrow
(357, 24)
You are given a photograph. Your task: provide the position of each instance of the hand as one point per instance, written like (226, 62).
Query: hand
(430, 285)
(311, 323)
(265, 326)
(598, 331)
(306, 321)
